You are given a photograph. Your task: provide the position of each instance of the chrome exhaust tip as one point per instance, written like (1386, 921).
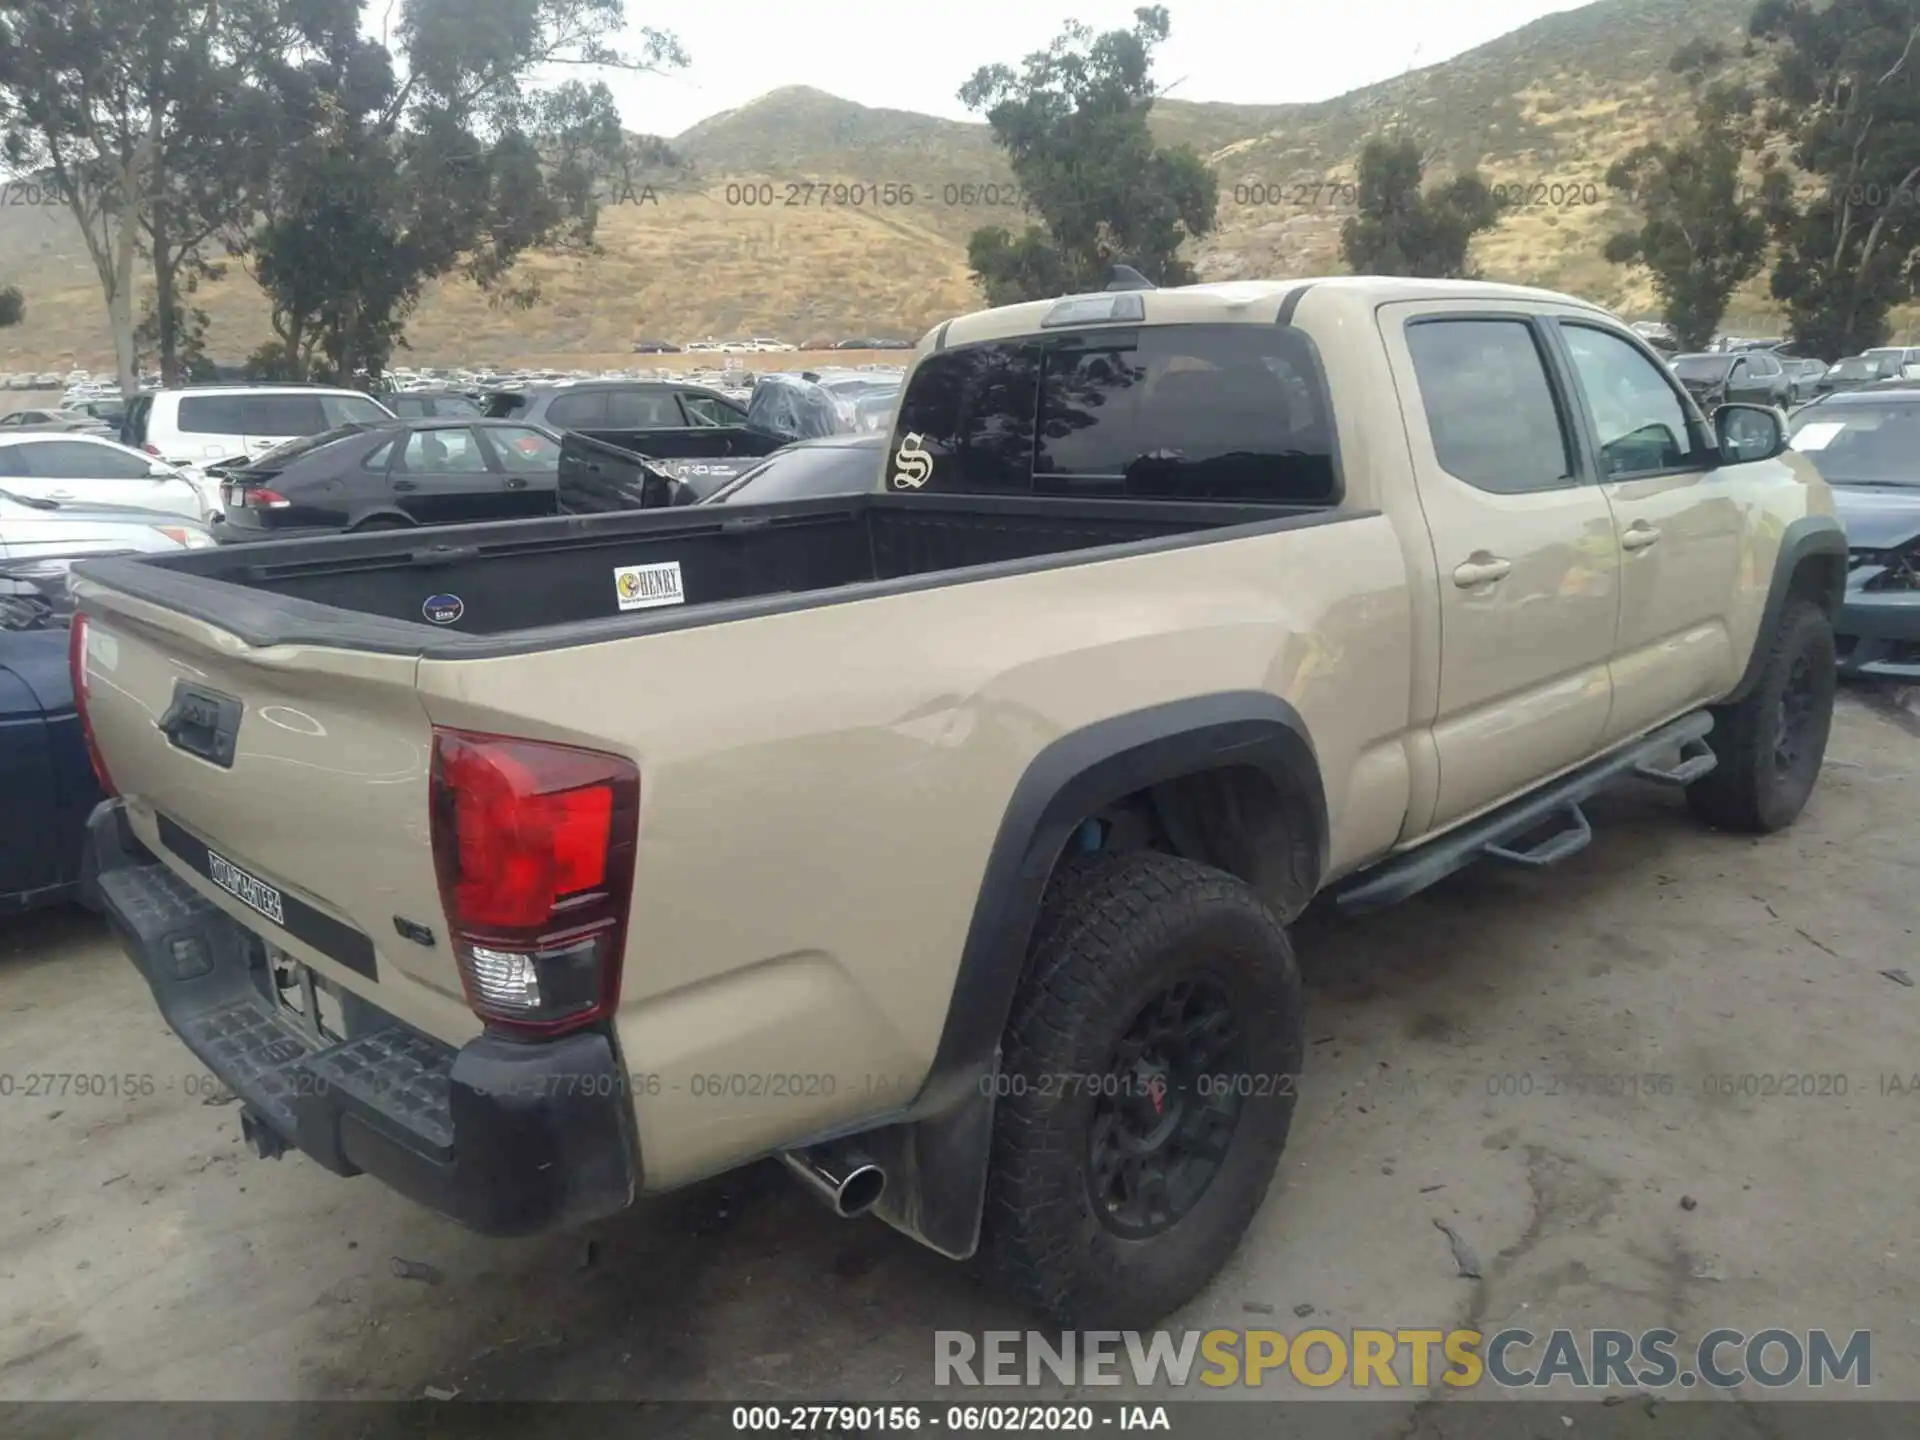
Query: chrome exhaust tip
(844, 1178)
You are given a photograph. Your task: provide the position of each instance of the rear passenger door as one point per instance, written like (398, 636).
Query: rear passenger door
(1523, 544)
(444, 476)
(1677, 523)
(529, 462)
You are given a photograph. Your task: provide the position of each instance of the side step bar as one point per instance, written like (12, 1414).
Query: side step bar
(1492, 836)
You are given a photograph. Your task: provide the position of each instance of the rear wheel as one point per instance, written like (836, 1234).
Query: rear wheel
(1147, 1085)
(1771, 744)
(381, 522)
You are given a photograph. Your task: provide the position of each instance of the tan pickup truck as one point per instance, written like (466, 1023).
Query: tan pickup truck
(941, 840)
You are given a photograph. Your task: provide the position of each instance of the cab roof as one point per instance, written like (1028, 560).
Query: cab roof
(1243, 301)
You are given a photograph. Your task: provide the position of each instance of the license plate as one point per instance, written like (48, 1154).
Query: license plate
(250, 890)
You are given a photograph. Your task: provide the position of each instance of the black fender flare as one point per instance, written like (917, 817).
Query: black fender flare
(937, 1156)
(1808, 537)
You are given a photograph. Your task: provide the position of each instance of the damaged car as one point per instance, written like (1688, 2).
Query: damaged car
(1866, 443)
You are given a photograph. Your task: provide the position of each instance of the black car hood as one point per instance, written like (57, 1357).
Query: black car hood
(1877, 518)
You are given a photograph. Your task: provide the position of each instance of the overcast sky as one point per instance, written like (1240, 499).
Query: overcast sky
(914, 54)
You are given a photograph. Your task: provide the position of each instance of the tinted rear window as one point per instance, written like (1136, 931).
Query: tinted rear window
(578, 411)
(1181, 412)
(643, 410)
(258, 415)
(212, 415)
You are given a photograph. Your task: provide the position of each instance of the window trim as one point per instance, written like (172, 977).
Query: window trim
(1576, 442)
(1099, 337)
(392, 446)
(1699, 457)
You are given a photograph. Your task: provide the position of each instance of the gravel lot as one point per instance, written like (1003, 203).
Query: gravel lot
(145, 1254)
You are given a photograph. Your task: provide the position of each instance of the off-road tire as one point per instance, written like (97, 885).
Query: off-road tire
(1115, 932)
(1752, 790)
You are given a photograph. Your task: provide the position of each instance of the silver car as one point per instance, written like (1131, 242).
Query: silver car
(35, 531)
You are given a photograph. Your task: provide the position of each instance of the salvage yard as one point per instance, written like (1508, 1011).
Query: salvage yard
(1554, 1067)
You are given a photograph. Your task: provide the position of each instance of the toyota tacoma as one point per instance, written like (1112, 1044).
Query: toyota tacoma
(942, 840)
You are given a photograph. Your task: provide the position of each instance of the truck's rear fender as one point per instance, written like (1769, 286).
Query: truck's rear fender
(1080, 776)
(1167, 759)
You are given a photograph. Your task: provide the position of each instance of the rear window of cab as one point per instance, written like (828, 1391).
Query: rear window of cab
(1232, 412)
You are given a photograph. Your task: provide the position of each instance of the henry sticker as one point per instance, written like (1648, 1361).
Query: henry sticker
(641, 587)
(912, 465)
(443, 609)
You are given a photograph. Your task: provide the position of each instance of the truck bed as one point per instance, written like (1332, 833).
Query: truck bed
(534, 584)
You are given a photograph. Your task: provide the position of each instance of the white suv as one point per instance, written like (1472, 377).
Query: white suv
(201, 424)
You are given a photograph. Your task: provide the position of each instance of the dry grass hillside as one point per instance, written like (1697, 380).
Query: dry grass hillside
(804, 215)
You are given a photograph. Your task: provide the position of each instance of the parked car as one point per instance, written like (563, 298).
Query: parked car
(807, 469)
(1866, 443)
(1014, 768)
(1741, 377)
(49, 422)
(431, 404)
(1897, 362)
(211, 423)
(47, 784)
(696, 433)
(1851, 373)
(655, 347)
(1803, 377)
(393, 475)
(91, 471)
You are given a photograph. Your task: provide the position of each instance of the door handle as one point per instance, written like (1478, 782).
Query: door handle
(1639, 535)
(1481, 570)
(405, 485)
(514, 482)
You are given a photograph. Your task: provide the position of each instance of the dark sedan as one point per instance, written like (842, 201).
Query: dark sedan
(1866, 443)
(807, 469)
(394, 474)
(1747, 377)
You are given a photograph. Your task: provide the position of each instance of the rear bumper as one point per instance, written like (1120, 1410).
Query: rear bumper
(507, 1138)
(1878, 636)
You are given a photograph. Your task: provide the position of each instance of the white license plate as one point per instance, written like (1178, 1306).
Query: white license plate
(249, 890)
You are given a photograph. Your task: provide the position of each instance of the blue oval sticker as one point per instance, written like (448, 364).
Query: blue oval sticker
(443, 609)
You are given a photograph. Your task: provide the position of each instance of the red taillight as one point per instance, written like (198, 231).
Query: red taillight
(534, 846)
(77, 663)
(258, 497)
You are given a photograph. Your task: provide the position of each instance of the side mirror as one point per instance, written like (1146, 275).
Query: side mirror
(1745, 433)
(160, 470)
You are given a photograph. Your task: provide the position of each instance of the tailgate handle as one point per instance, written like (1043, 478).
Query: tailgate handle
(202, 722)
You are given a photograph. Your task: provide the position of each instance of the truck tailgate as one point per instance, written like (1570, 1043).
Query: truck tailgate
(289, 785)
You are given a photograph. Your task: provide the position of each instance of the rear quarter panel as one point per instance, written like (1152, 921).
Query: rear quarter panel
(820, 789)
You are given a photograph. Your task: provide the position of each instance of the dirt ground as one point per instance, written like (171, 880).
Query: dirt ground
(145, 1254)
